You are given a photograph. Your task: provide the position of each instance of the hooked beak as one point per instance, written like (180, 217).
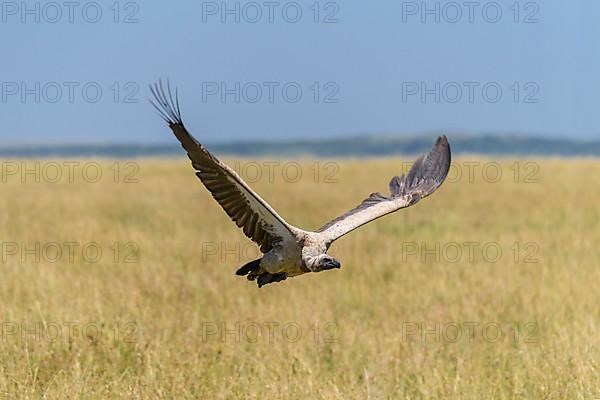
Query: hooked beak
(331, 264)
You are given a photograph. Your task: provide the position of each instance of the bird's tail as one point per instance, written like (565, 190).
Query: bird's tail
(251, 269)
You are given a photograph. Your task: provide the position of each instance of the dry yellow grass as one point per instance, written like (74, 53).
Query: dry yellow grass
(179, 291)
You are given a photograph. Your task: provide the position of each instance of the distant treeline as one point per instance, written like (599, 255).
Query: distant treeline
(340, 147)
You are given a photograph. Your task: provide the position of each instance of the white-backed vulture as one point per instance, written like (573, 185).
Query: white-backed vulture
(289, 251)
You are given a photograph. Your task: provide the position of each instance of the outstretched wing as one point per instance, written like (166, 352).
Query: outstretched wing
(425, 176)
(249, 211)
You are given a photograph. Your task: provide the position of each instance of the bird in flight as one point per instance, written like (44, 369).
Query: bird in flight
(287, 250)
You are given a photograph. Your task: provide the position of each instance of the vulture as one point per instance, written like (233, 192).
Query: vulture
(287, 250)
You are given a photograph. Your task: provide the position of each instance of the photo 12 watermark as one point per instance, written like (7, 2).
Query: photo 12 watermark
(289, 92)
(69, 252)
(465, 92)
(469, 332)
(270, 12)
(69, 92)
(29, 172)
(236, 252)
(268, 332)
(470, 12)
(69, 12)
(68, 331)
(526, 172)
(289, 172)
(470, 252)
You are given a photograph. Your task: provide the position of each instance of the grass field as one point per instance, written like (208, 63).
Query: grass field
(401, 319)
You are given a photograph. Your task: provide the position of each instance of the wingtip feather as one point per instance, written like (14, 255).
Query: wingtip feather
(427, 173)
(167, 106)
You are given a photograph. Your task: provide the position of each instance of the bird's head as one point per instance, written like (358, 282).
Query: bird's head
(323, 262)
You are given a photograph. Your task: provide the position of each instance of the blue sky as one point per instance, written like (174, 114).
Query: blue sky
(71, 75)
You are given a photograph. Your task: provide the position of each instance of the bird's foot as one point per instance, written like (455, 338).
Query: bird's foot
(270, 278)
